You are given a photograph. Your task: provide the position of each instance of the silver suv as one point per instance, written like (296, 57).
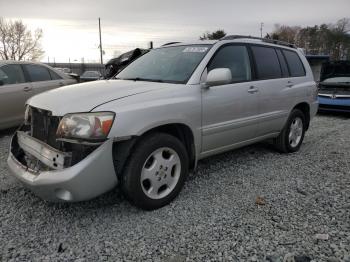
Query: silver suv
(175, 105)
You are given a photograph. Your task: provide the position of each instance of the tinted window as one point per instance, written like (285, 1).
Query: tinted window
(267, 64)
(284, 67)
(236, 59)
(11, 74)
(54, 75)
(38, 73)
(295, 65)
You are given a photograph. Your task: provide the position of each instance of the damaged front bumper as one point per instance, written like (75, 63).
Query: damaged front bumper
(56, 180)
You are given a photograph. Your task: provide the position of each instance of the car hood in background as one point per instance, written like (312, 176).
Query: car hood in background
(335, 69)
(84, 97)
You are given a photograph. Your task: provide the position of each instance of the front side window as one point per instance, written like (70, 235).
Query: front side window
(38, 73)
(11, 74)
(168, 64)
(236, 59)
(267, 64)
(295, 65)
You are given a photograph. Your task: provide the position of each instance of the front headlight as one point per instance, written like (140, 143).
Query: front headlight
(86, 125)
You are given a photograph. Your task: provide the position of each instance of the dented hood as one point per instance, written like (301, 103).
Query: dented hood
(84, 97)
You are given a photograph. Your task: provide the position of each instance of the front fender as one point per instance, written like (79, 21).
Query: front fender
(138, 114)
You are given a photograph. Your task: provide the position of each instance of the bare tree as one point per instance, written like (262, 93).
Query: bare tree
(17, 42)
(285, 33)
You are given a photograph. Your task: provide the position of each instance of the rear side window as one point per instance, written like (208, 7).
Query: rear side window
(236, 59)
(11, 74)
(267, 64)
(295, 65)
(284, 67)
(38, 73)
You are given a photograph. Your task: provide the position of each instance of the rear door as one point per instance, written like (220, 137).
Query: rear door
(273, 83)
(229, 113)
(42, 78)
(14, 92)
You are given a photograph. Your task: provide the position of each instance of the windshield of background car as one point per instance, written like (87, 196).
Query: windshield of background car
(337, 80)
(91, 74)
(168, 64)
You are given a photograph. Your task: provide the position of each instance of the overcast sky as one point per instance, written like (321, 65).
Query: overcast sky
(71, 27)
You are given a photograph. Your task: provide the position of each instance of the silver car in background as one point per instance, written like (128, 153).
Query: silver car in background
(173, 106)
(21, 80)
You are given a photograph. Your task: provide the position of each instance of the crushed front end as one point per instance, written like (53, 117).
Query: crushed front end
(58, 169)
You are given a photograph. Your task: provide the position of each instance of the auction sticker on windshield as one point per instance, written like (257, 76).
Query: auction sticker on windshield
(195, 49)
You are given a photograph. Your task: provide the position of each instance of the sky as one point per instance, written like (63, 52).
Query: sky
(70, 27)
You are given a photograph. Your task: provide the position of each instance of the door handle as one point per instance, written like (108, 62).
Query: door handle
(253, 89)
(289, 84)
(61, 84)
(27, 89)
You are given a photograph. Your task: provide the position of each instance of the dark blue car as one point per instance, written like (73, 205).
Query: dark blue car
(334, 88)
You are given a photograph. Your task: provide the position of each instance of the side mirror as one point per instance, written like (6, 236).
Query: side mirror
(219, 76)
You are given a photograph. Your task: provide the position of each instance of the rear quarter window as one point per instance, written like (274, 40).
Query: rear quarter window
(267, 64)
(296, 67)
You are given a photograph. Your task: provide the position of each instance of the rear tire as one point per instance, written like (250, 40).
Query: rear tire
(292, 135)
(155, 171)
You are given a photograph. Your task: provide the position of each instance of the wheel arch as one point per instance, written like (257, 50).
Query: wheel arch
(305, 108)
(122, 149)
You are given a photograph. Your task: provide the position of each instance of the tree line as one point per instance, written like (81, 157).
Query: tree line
(325, 39)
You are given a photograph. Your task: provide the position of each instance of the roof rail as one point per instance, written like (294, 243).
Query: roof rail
(171, 43)
(272, 41)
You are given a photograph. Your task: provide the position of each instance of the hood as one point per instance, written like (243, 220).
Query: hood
(84, 97)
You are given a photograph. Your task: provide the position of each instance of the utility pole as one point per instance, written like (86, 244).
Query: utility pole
(99, 29)
(261, 29)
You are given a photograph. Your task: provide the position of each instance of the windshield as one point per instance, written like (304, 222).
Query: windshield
(168, 64)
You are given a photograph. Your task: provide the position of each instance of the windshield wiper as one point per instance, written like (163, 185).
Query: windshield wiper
(142, 79)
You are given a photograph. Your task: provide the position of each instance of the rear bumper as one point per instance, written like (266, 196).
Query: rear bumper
(92, 176)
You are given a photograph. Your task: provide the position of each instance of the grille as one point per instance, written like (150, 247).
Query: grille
(44, 126)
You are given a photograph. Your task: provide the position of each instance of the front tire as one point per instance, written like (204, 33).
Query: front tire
(292, 135)
(155, 171)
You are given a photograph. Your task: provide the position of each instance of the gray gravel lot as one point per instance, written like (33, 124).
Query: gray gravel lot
(215, 218)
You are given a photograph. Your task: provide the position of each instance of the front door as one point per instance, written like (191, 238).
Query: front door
(229, 113)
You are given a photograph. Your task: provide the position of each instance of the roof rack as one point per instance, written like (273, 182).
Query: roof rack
(272, 41)
(171, 43)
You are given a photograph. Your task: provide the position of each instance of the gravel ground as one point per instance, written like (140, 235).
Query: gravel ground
(305, 216)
